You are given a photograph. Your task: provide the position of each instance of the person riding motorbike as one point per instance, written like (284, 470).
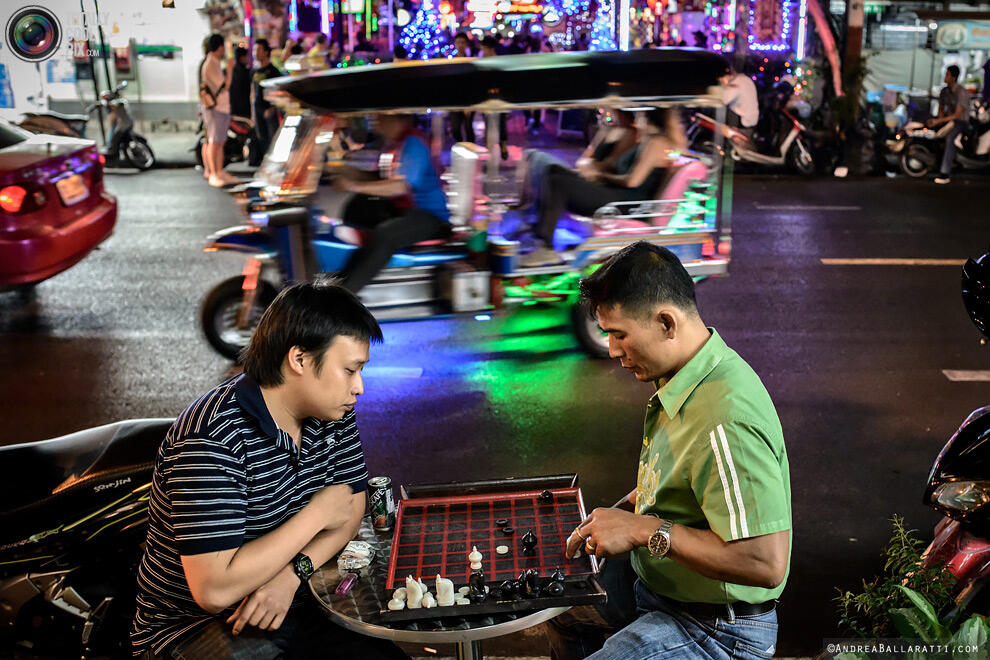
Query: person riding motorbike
(407, 207)
(953, 106)
(741, 100)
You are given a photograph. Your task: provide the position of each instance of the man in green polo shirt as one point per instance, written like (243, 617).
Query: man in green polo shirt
(709, 534)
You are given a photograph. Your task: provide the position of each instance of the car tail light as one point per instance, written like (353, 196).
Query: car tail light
(12, 198)
(103, 160)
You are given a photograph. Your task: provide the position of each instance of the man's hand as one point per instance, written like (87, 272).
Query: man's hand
(611, 532)
(334, 504)
(342, 184)
(270, 112)
(266, 608)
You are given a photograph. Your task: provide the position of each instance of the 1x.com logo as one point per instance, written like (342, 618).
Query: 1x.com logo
(33, 34)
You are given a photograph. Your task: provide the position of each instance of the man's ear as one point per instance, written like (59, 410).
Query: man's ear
(668, 322)
(295, 360)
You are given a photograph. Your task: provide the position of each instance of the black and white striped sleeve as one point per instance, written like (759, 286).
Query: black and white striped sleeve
(348, 456)
(208, 496)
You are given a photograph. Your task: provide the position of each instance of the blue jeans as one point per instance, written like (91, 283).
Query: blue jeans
(664, 631)
(949, 154)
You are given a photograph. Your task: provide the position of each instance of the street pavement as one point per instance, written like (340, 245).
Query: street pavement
(853, 356)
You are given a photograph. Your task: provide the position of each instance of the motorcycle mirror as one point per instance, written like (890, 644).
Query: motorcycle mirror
(122, 85)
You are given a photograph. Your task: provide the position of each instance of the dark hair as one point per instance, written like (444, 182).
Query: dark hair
(489, 42)
(213, 42)
(309, 315)
(658, 117)
(399, 52)
(638, 278)
(296, 49)
(953, 70)
(240, 52)
(321, 38)
(267, 47)
(462, 35)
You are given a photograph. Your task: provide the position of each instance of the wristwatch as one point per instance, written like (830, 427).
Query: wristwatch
(659, 543)
(303, 566)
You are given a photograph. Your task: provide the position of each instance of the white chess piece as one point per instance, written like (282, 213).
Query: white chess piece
(396, 604)
(414, 594)
(474, 556)
(445, 592)
(429, 600)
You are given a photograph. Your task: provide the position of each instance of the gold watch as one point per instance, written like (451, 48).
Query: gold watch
(659, 543)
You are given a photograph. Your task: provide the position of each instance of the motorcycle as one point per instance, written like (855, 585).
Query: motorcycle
(71, 536)
(125, 146)
(920, 148)
(237, 147)
(959, 483)
(779, 139)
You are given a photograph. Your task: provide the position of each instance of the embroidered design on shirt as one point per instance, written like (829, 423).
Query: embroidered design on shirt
(646, 484)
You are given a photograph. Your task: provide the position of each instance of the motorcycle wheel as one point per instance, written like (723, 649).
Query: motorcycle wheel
(589, 335)
(800, 159)
(917, 161)
(139, 154)
(218, 315)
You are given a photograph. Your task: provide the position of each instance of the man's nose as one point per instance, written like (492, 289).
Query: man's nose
(614, 347)
(358, 388)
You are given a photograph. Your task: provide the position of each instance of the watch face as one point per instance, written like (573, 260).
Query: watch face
(659, 544)
(305, 565)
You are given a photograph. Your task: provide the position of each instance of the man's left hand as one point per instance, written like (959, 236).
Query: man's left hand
(266, 608)
(611, 532)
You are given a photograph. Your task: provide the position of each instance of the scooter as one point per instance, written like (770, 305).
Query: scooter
(237, 148)
(791, 149)
(920, 148)
(72, 532)
(125, 146)
(959, 482)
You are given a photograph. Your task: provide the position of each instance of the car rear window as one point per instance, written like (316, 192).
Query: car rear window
(11, 135)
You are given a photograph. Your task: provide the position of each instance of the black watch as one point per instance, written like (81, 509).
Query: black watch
(303, 566)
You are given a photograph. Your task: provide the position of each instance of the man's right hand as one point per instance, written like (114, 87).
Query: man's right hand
(333, 504)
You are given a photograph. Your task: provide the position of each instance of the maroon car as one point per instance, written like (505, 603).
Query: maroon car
(53, 208)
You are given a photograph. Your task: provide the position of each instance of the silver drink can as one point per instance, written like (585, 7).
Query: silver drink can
(382, 503)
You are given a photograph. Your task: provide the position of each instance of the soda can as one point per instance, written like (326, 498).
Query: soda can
(382, 503)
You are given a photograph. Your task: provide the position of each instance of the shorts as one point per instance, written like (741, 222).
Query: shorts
(215, 124)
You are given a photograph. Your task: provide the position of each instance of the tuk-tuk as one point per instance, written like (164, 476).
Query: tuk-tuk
(294, 231)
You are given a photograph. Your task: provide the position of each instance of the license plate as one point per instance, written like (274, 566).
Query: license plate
(72, 189)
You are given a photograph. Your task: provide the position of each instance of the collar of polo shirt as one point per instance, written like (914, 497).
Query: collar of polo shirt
(673, 393)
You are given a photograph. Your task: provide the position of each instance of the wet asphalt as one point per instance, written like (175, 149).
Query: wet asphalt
(851, 354)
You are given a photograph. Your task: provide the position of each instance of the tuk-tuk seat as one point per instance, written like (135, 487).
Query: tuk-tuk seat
(615, 218)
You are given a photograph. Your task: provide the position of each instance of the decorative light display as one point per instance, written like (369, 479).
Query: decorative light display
(603, 29)
(423, 38)
(770, 25)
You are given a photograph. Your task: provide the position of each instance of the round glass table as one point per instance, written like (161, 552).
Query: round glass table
(359, 610)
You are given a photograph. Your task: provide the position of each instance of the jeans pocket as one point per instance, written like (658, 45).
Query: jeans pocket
(751, 637)
(743, 650)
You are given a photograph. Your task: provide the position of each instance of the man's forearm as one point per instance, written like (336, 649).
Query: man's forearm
(704, 552)
(256, 562)
(384, 188)
(328, 543)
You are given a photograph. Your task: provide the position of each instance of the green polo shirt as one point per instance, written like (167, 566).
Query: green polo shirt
(713, 458)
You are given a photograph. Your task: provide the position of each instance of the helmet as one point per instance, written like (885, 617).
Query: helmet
(976, 292)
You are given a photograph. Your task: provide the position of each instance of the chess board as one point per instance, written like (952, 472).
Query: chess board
(433, 535)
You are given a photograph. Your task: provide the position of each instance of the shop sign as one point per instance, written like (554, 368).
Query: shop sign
(963, 35)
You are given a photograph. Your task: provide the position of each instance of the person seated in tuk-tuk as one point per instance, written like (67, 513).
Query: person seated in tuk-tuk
(406, 208)
(645, 167)
(614, 139)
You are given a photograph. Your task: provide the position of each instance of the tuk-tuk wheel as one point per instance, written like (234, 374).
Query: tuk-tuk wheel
(220, 311)
(589, 335)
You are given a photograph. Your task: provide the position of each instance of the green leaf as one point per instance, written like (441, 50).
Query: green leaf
(926, 610)
(972, 633)
(912, 625)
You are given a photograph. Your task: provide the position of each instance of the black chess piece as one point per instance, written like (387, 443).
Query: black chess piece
(501, 522)
(557, 576)
(496, 594)
(546, 497)
(555, 589)
(529, 543)
(508, 531)
(531, 583)
(508, 588)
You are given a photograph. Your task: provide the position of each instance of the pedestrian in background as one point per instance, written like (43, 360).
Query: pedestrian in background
(265, 116)
(214, 98)
(461, 123)
(240, 84)
(953, 106)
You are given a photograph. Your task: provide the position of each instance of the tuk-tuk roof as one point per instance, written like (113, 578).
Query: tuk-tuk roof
(505, 82)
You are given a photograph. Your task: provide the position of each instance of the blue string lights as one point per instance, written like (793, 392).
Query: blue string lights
(423, 38)
(603, 28)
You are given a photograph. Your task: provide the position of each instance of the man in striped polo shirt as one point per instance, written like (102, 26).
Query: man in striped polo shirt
(257, 482)
(709, 531)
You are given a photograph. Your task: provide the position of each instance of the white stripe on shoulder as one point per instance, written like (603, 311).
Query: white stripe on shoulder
(725, 488)
(743, 525)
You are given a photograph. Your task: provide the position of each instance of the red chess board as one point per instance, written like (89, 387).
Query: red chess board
(433, 535)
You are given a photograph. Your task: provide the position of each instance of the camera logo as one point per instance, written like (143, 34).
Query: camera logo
(33, 34)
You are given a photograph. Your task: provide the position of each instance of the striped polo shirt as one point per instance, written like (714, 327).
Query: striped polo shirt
(225, 475)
